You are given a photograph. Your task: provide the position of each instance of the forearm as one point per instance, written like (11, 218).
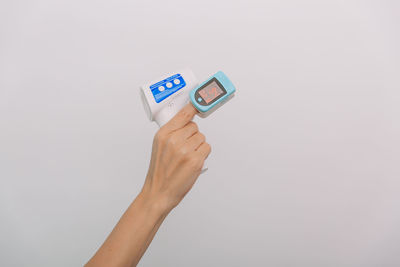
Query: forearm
(132, 235)
(178, 154)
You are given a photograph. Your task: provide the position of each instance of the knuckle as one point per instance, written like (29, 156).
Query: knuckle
(175, 140)
(172, 140)
(194, 125)
(202, 137)
(183, 151)
(160, 136)
(185, 115)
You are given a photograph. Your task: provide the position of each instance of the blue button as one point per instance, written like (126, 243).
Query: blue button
(199, 99)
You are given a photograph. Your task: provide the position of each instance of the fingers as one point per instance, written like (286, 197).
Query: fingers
(187, 131)
(194, 142)
(184, 116)
(199, 156)
(204, 150)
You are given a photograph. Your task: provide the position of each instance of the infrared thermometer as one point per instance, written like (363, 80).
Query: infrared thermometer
(211, 94)
(164, 97)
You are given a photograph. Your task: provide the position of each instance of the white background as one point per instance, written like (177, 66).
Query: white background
(305, 163)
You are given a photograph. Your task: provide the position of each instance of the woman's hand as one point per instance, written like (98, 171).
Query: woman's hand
(179, 151)
(178, 155)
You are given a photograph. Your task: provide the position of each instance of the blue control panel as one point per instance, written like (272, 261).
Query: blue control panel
(167, 87)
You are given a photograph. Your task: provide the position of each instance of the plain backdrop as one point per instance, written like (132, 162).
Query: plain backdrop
(305, 163)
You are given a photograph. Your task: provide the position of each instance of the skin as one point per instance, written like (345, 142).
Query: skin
(178, 154)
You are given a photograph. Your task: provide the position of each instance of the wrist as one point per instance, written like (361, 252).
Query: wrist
(155, 205)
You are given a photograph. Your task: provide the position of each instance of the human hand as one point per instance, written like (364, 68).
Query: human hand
(178, 155)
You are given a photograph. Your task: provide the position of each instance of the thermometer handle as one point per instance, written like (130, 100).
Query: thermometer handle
(165, 115)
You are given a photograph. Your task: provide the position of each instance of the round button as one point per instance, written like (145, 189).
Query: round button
(169, 85)
(199, 99)
(177, 81)
(161, 88)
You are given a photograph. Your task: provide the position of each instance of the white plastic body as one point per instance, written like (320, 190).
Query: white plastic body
(162, 112)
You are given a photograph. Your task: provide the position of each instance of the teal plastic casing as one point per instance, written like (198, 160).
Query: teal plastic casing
(225, 83)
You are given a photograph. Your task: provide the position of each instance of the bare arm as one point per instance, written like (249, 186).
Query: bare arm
(178, 154)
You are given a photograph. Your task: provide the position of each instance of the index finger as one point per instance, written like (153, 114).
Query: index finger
(182, 118)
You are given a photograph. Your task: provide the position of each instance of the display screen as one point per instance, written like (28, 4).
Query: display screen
(211, 92)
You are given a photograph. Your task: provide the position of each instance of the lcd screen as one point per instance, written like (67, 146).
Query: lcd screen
(210, 92)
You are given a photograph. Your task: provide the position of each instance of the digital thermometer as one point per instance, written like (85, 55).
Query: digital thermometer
(164, 97)
(212, 94)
